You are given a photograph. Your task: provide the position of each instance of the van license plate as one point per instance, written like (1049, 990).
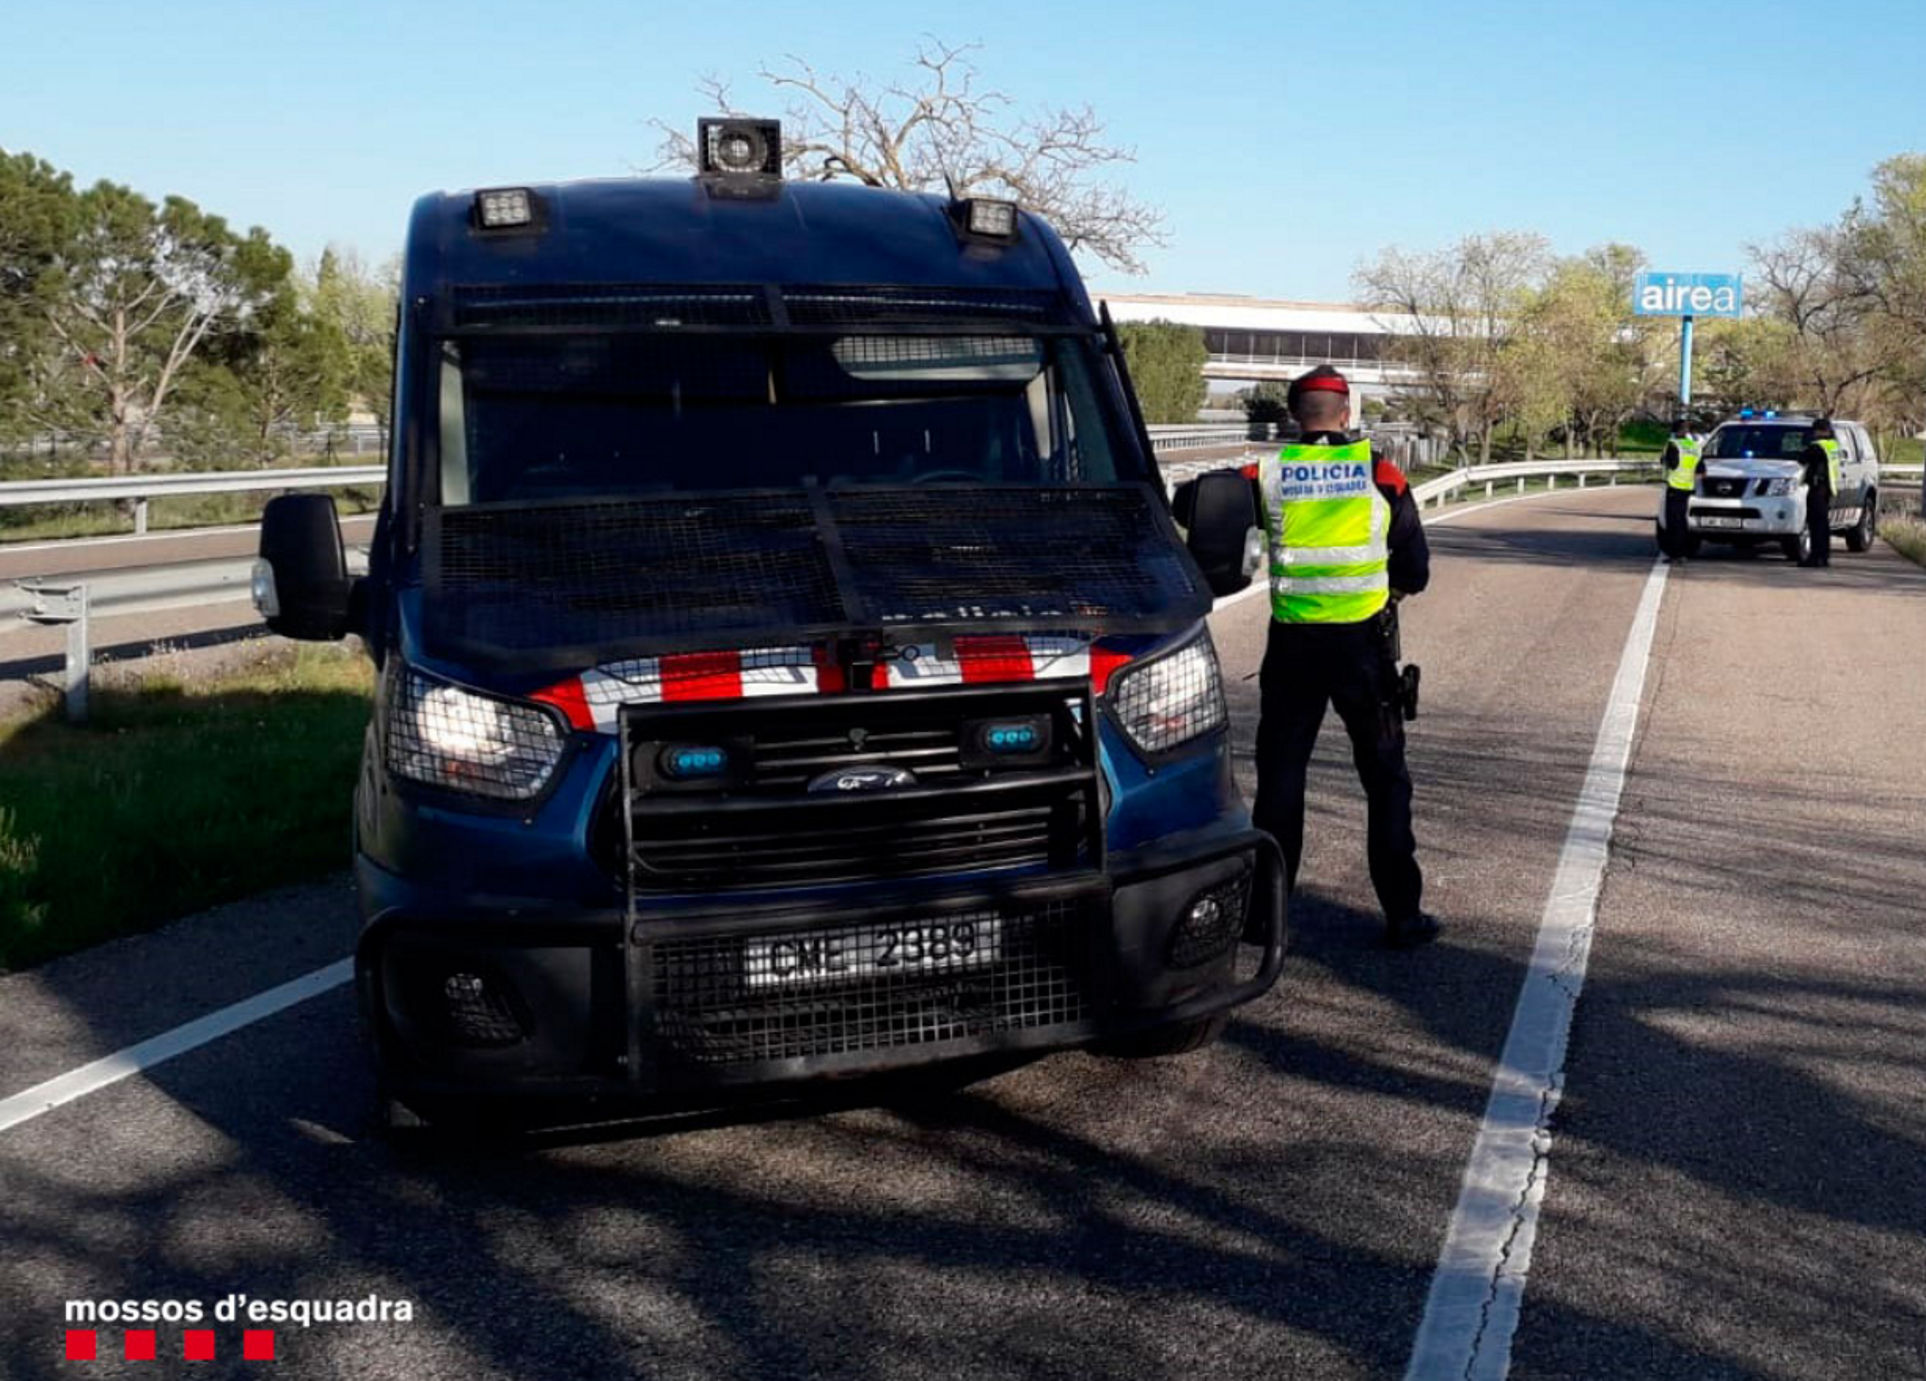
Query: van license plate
(806, 957)
(1721, 522)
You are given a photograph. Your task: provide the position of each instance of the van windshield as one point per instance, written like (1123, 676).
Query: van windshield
(1739, 442)
(537, 417)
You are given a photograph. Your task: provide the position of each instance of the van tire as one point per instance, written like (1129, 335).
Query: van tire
(1799, 547)
(1179, 1038)
(1859, 537)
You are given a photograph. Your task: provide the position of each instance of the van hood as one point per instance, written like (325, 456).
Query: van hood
(563, 585)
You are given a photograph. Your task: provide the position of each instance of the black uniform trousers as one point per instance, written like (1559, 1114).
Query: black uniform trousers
(1819, 521)
(1677, 504)
(1308, 667)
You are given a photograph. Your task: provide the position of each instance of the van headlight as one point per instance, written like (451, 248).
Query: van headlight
(1779, 488)
(1171, 699)
(445, 735)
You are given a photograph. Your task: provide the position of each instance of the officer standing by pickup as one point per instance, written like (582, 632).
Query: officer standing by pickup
(1821, 459)
(1345, 541)
(1681, 461)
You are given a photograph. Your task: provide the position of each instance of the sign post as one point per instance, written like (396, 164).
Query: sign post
(1685, 365)
(1687, 295)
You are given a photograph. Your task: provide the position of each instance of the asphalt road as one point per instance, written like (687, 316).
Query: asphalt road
(1736, 1179)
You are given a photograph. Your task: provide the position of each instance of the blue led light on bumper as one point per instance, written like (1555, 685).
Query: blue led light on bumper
(692, 764)
(1012, 738)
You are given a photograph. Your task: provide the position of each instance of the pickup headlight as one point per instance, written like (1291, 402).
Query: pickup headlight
(444, 735)
(1171, 699)
(1779, 488)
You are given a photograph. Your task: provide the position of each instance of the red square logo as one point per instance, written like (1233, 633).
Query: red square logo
(199, 1345)
(80, 1345)
(257, 1344)
(141, 1344)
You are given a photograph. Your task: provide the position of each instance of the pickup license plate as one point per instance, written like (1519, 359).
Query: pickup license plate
(929, 946)
(1720, 522)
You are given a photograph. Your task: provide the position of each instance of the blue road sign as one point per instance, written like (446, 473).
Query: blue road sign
(1687, 294)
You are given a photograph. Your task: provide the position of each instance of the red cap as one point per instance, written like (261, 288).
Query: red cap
(1332, 382)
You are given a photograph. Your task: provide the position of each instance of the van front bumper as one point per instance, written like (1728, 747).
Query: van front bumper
(475, 1000)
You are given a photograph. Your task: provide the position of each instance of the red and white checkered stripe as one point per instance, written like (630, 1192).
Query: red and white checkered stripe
(594, 699)
(983, 658)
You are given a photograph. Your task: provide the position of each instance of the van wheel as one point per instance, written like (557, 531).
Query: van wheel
(1860, 536)
(1797, 548)
(1179, 1038)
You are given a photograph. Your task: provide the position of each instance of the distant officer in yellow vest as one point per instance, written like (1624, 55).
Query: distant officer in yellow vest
(1681, 461)
(1821, 460)
(1345, 540)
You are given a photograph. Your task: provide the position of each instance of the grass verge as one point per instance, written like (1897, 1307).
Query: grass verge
(174, 798)
(1905, 535)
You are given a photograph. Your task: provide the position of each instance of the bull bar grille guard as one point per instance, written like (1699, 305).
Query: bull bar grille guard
(688, 997)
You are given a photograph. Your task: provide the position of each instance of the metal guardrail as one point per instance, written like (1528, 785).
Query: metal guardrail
(1443, 487)
(1193, 436)
(144, 488)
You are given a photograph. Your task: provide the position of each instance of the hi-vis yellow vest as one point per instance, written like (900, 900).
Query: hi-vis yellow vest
(1330, 532)
(1688, 449)
(1831, 448)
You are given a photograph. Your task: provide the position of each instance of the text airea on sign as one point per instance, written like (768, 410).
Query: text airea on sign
(1687, 294)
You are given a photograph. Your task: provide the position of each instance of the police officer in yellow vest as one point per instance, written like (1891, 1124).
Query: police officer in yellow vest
(1345, 540)
(1821, 460)
(1681, 461)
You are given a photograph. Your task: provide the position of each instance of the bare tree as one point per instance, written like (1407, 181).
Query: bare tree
(944, 131)
(1451, 313)
(1837, 353)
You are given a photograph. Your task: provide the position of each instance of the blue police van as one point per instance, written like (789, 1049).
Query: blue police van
(789, 663)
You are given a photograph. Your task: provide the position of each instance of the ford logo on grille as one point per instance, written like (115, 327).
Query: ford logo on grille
(864, 779)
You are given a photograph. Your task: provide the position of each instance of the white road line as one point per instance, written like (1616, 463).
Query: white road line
(111, 1069)
(1479, 1284)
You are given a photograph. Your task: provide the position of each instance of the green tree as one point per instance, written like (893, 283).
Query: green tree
(287, 369)
(1167, 368)
(135, 293)
(1264, 403)
(359, 306)
(38, 213)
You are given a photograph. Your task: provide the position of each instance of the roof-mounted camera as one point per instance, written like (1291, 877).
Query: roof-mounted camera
(737, 146)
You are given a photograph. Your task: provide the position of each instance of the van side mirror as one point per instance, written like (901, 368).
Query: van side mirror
(301, 581)
(1218, 511)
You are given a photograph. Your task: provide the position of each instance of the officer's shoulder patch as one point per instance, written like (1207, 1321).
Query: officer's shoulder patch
(1390, 477)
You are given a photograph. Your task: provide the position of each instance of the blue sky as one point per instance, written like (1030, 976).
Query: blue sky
(1285, 141)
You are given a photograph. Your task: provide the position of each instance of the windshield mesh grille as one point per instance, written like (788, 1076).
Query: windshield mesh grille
(962, 555)
(628, 574)
(573, 583)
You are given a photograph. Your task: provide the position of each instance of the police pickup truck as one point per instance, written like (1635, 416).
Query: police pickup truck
(790, 665)
(1751, 485)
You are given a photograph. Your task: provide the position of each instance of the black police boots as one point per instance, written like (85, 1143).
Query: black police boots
(1411, 931)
